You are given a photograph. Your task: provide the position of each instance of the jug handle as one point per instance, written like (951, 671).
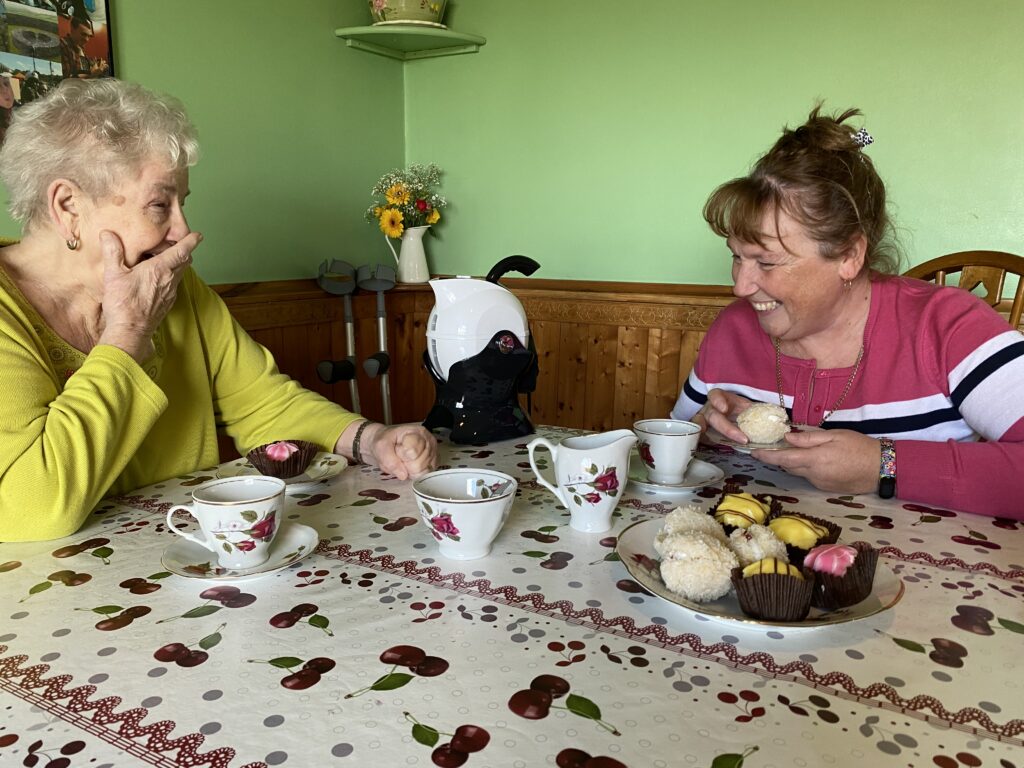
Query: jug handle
(530, 448)
(388, 241)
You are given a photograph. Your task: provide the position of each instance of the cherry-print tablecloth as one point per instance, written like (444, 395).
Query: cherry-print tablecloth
(376, 651)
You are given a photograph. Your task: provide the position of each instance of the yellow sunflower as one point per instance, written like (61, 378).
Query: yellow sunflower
(397, 194)
(391, 222)
(434, 216)
(377, 211)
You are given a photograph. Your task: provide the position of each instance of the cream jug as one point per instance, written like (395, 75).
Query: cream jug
(590, 472)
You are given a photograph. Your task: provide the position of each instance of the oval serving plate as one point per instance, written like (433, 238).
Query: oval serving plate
(635, 547)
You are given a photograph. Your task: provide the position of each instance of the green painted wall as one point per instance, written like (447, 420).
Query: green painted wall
(588, 134)
(584, 134)
(295, 128)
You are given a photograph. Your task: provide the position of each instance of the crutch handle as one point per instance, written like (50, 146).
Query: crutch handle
(377, 364)
(331, 371)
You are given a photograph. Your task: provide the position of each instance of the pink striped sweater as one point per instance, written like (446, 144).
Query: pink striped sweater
(942, 374)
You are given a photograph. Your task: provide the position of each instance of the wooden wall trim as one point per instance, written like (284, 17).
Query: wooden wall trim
(609, 352)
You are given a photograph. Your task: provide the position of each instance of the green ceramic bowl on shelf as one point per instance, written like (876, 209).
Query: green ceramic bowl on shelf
(407, 11)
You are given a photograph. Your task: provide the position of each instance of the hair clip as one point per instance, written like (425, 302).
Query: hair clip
(862, 138)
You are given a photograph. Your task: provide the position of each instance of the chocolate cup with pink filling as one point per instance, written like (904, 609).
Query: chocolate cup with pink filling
(774, 508)
(773, 596)
(832, 592)
(292, 466)
(797, 554)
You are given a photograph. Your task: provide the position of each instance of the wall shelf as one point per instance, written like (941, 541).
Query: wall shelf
(409, 43)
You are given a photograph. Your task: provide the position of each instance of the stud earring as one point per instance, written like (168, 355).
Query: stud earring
(72, 244)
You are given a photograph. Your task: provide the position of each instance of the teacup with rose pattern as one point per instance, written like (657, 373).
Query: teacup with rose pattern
(464, 509)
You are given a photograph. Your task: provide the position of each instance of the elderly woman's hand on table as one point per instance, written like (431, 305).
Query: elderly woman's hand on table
(406, 451)
(836, 460)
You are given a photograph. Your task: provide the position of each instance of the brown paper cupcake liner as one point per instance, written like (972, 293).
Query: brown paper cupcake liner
(773, 596)
(293, 466)
(833, 592)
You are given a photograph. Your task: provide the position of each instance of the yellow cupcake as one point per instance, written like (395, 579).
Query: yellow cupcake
(797, 531)
(740, 510)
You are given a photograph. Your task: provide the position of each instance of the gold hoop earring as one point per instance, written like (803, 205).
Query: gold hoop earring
(72, 244)
(848, 284)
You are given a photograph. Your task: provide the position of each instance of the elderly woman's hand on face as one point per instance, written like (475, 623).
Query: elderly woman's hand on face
(137, 298)
(720, 413)
(404, 450)
(836, 460)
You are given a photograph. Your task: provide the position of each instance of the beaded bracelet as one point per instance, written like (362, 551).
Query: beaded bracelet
(356, 453)
(887, 469)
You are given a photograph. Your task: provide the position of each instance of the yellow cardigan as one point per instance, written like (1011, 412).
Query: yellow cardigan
(73, 430)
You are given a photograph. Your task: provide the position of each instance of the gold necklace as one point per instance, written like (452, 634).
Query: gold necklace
(846, 389)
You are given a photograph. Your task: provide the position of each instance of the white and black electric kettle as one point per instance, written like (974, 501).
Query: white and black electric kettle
(480, 356)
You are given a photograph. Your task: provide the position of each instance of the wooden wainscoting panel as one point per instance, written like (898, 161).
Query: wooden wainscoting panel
(572, 374)
(544, 401)
(602, 368)
(662, 382)
(608, 353)
(630, 376)
(690, 343)
(412, 390)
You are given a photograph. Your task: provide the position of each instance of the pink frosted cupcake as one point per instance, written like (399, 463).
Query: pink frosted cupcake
(843, 574)
(283, 459)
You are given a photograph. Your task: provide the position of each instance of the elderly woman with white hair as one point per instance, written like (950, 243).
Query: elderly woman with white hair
(117, 362)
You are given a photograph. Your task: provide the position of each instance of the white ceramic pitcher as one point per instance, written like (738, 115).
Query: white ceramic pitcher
(411, 259)
(590, 473)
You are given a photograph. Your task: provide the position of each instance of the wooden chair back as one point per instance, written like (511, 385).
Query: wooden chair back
(986, 268)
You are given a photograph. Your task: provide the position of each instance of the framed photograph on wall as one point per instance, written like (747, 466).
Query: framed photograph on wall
(45, 41)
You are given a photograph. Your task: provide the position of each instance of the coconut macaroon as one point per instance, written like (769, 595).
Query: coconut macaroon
(764, 423)
(756, 542)
(697, 566)
(691, 517)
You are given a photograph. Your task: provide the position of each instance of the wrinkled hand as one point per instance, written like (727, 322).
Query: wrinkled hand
(720, 413)
(836, 460)
(404, 450)
(136, 299)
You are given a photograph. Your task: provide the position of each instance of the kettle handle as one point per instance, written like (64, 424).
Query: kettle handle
(530, 448)
(522, 264)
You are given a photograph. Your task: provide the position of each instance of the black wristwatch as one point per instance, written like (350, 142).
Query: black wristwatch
(887, 469)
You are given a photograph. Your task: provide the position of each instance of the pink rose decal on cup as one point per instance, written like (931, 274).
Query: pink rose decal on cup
(264, 529)
(644, 449)
(443, 528)
(464, 508)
